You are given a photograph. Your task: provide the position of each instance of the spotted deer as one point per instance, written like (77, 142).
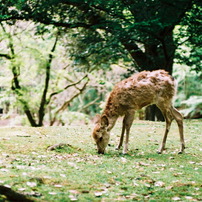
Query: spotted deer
(140, 90)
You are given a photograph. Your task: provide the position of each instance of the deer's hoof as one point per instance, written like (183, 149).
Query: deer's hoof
(159, 152)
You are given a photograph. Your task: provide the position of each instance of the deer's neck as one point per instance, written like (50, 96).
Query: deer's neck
(112, 114)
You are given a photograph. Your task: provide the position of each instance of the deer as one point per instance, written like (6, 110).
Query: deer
(141, 89)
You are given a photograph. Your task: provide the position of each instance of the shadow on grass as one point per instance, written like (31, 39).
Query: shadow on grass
(11, 195)
(63, 148)
(136, 154)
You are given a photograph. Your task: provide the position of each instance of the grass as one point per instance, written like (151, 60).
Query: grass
(74, 171)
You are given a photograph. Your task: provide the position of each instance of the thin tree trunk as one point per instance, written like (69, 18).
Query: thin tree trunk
(42, 108)
(153, 113)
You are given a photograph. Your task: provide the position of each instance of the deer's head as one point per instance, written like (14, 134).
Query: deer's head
(101, 134)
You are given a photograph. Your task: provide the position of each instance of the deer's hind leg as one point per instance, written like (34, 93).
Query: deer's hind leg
(179, 119)
(168, 118)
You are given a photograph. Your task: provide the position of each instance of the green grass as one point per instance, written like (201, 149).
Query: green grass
(76, 172)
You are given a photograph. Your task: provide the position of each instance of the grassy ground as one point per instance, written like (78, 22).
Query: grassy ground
(75, 171)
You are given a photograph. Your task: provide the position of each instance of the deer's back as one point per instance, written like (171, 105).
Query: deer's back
(142, 89)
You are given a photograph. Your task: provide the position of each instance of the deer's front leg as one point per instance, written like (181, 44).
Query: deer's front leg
(122, 136)
(128, 120)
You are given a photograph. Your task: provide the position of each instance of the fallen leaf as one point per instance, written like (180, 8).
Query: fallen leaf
(52, 193)
(63, 175)
(58, 185)
(109, 172)
(107, 185)
(132, 196)
(177, 174)
(189, 197)
(169, 187)
(47, 177)
(7, 185)
(4, 170)
(159, 184)
(135, 184)
(156, 172)
(123, 160)
(21, 189)
(98, 194)
(161, 165)
(151, 159)
(144, 164)
(5, 154)
(33, 193)
(31, 184)
(176, 198)
(74, 192)
(147, 185)
(73, 198)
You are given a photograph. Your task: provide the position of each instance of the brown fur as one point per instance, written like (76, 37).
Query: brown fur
(141, 89)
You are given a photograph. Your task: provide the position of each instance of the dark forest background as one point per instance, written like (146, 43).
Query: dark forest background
(59, 59)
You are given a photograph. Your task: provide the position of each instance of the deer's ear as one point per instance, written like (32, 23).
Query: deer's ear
(104, 120)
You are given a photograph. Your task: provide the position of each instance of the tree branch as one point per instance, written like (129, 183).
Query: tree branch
(66, 87)
(65, 104)
(7, 56)
(89, 104)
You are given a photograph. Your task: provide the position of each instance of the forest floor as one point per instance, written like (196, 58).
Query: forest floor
(32, 170)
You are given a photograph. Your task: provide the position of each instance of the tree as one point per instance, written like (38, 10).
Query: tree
(32, 89)
(189, 38)
(143, 28)
(138, 30)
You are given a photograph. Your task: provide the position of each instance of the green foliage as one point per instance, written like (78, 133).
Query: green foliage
(67, 118)
(138, 31)
(193, 107)
(29, 64)
(94, 50)
(81, 103)
(190, 40)
(189, 93)
(94, 35)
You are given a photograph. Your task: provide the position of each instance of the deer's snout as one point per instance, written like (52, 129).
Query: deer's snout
(101, 151)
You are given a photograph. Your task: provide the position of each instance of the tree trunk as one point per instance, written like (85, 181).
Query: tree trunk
(43, 104)
(153, 113)
(157, 55)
